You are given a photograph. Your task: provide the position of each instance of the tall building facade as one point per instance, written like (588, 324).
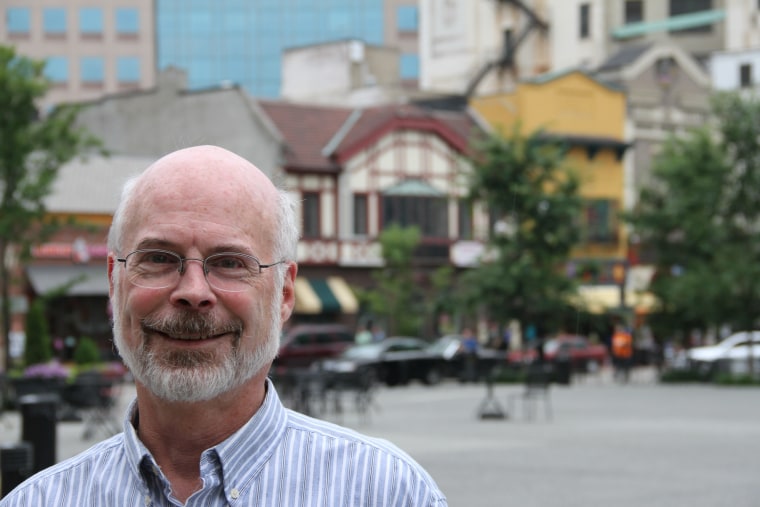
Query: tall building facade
(242, 41)
(91, 48)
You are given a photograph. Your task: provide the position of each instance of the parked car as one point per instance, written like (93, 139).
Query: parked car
(582, 355)
(304, 344)
(730, 355)
(449, 348)
(393, 361)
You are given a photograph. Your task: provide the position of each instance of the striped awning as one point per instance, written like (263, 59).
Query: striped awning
(602, 298)
(315, 296)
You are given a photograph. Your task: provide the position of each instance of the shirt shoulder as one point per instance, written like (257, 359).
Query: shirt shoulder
(102, 473)
(385, 466)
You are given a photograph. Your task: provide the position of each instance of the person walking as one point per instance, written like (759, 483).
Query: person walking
(201, 271)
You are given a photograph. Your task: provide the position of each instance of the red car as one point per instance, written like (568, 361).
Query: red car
(583, 355)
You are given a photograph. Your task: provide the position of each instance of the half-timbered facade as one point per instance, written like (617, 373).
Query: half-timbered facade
(357, 171)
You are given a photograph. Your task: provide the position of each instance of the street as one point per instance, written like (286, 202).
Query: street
(606, 444)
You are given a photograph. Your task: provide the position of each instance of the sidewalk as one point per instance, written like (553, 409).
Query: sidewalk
(641, 443)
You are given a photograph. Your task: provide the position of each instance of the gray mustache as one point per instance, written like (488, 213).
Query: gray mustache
(192, 324)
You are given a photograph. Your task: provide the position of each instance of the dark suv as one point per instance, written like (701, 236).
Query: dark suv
(303, 344)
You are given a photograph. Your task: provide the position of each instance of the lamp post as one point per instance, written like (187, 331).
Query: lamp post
(619, 272)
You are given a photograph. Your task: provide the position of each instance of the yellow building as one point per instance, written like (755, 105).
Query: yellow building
(589, 117)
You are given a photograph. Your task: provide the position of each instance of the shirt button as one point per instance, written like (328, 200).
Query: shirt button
(147, 500)
(234, 493)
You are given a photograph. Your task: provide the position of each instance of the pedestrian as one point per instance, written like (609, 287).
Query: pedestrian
(622, 351)
(364, 336)
(470, 349)
(201, 277)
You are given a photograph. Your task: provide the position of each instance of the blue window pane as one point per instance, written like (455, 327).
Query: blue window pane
(128, 69)
(18, 20)
(54, 20)
(410, 66)
(127, 21)
(90, 20)
(57, 69)
(407, 18)
(92, 69)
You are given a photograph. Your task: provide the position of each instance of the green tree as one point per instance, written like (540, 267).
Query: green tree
(38, 346)
(701, 219)
(679, 218)
(32, 150)
(397, 297)
(534, 203)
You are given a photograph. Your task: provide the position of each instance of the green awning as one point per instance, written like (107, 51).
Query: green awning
(673, 23)
(316, 296)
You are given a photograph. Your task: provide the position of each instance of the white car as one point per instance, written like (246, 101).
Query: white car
(729, 355)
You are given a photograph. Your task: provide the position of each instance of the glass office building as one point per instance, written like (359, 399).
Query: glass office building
(241, 41)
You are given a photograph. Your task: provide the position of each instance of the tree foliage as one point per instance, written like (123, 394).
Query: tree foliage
(38, 345)
(534, 200)
(701, 219)
(32, 149)
(396, 298)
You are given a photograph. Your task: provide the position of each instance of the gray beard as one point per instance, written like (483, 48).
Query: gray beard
(193, 376)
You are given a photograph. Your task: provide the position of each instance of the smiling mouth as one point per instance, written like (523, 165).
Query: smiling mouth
(184, 337)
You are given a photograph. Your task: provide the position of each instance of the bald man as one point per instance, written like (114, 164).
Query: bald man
(201, 271)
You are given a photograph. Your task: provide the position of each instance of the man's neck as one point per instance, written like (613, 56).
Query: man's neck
(177, 434)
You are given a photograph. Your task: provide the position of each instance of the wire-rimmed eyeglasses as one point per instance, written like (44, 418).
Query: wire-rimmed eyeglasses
(226, 271)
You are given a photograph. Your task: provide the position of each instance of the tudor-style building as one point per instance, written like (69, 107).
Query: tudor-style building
(355, 171)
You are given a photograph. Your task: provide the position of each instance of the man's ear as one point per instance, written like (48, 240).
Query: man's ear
(111, 264)
(289, 292)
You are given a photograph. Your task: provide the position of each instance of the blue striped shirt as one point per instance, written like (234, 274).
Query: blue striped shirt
(278, 458)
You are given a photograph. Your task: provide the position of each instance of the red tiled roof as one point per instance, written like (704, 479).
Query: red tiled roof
(307, 130)
(455, 128)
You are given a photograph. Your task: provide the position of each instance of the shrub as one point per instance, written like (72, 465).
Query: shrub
(38, 346)
(86, 351)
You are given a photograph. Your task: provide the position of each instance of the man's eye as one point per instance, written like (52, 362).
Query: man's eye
(228, 262)
(159, 258)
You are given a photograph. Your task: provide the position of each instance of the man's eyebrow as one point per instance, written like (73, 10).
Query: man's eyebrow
(155, 243)
(174, 247)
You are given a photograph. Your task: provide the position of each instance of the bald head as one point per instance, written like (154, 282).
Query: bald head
(207, 181)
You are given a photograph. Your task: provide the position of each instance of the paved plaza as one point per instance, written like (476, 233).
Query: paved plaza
(640, 444)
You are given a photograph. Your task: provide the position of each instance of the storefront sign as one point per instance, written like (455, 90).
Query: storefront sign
(77, 251)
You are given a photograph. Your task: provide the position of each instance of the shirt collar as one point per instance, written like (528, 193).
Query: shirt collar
(241, 455)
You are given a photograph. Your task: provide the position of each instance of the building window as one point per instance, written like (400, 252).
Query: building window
(585, 21)
(745, 75)
(127, 21)
(57, 69)
(92, 70)
(310, 214)
(465, 219)
(410, 66)
(54, 21)
(634, 11)
(678, 7)
(128, 69)
(429, 214)
(361, 218)
(688, 6)
(665, 71)
(91, 21)
(18, 21)
(407, 19)
(600, 221)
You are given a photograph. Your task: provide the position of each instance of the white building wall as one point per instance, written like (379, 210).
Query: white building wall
(725, 68)
(567, 48)
(742, 24)
(459, 37)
